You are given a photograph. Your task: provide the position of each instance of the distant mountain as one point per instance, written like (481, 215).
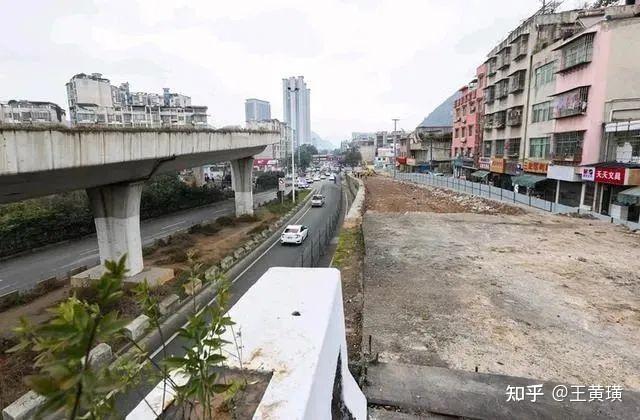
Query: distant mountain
(320, 143)
(442, 115)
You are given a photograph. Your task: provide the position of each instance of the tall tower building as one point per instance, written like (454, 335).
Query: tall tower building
(296, 106)
(257, 110)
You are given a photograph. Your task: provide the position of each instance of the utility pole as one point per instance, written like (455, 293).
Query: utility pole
(395, 158)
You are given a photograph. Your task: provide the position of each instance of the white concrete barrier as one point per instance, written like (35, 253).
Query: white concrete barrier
(292, 324)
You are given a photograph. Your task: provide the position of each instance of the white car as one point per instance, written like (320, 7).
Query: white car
(332, 177)
(316, 178)
(294, 234)
(317, 200)
(323, 177)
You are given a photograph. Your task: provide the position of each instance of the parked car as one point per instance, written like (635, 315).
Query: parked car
(317, 200)
(294, 234)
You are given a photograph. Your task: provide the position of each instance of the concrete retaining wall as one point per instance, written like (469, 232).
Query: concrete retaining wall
(354, 216)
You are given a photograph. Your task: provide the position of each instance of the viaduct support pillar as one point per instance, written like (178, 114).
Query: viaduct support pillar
(116, 210)
(241, 180)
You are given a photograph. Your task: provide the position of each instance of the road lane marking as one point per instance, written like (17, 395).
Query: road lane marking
(172, 225)
(89, 251)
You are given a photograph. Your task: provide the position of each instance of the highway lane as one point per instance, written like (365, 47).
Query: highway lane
(276, 255)
(24, 271)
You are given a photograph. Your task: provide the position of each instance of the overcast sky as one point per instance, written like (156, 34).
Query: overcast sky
(365, 61)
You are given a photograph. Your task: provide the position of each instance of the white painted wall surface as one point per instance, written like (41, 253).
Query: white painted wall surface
(301, 351)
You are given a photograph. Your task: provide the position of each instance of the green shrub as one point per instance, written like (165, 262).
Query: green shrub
(34, 223)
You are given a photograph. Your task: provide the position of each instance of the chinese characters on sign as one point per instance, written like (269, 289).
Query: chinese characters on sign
(571, 393)
(589, 174)
(484, 163)
(610, 175)
(536, 167)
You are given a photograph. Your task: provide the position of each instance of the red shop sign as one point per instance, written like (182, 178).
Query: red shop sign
(610, 175)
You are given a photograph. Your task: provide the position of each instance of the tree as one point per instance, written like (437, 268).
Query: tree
(352, 157)
(304, 155)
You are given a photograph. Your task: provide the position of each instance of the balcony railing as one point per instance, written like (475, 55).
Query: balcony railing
(514, 117)
(571, 103)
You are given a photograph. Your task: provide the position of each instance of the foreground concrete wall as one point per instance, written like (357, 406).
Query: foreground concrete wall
(292, 324)
(35, 162)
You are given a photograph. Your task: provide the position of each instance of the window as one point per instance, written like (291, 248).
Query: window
(457, 133)
(571, 103)
(464, 110)
(568, 146)
(539, 147)
(541, 112)
(455, 151)
(471, 129)
(502, 88)
(469, 152)
(462, 131)
(578, 52)
(513, 147)
(486, 149)
(499, 119)
(499, 149)
(545, 74)
(624, 146)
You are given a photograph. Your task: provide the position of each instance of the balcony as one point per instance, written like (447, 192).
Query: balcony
(514, 116)
(499, 119)
(504, 58)
(517, 80)
(577, 52)
(520, 47)
(489, 94)
(502, 89)
(491, 66)
(571, 103)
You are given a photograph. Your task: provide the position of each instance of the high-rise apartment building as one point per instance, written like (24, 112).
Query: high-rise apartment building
(296, 108)
(94, 100)
(30, 112)
(257, 110)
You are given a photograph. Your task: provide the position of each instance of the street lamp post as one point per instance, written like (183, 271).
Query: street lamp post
(293, 153)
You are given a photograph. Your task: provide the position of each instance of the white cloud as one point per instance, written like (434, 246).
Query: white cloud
(365, 61)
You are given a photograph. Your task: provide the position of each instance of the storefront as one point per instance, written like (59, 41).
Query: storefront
(534, 180)
(568, 184)
(502, 171)
(463, 167)
(615, 188)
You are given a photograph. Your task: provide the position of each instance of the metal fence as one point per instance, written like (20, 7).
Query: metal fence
(506, 196)
(315, 246)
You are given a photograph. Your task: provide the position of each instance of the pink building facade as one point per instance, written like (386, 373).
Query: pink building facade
(597, 82)
(467, 124)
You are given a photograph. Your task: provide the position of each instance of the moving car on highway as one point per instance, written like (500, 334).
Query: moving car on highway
(294, 234)
(317, 200)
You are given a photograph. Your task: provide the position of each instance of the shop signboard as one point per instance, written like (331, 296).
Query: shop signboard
(401, 160)
(588, 173)
(497, 166)
(613, 176)
(536, 167)
(411, 161)
(484, 163)
(281, 184)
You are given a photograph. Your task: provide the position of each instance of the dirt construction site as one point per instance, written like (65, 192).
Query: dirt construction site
(465, 283)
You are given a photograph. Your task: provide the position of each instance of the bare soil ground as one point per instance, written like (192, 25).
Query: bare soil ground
(386, 195)
(506, 291)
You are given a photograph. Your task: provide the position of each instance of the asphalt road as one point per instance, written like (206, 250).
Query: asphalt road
(24, 271)
(276, 255)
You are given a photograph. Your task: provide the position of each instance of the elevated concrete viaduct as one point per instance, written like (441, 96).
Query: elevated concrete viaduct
(112, 165)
